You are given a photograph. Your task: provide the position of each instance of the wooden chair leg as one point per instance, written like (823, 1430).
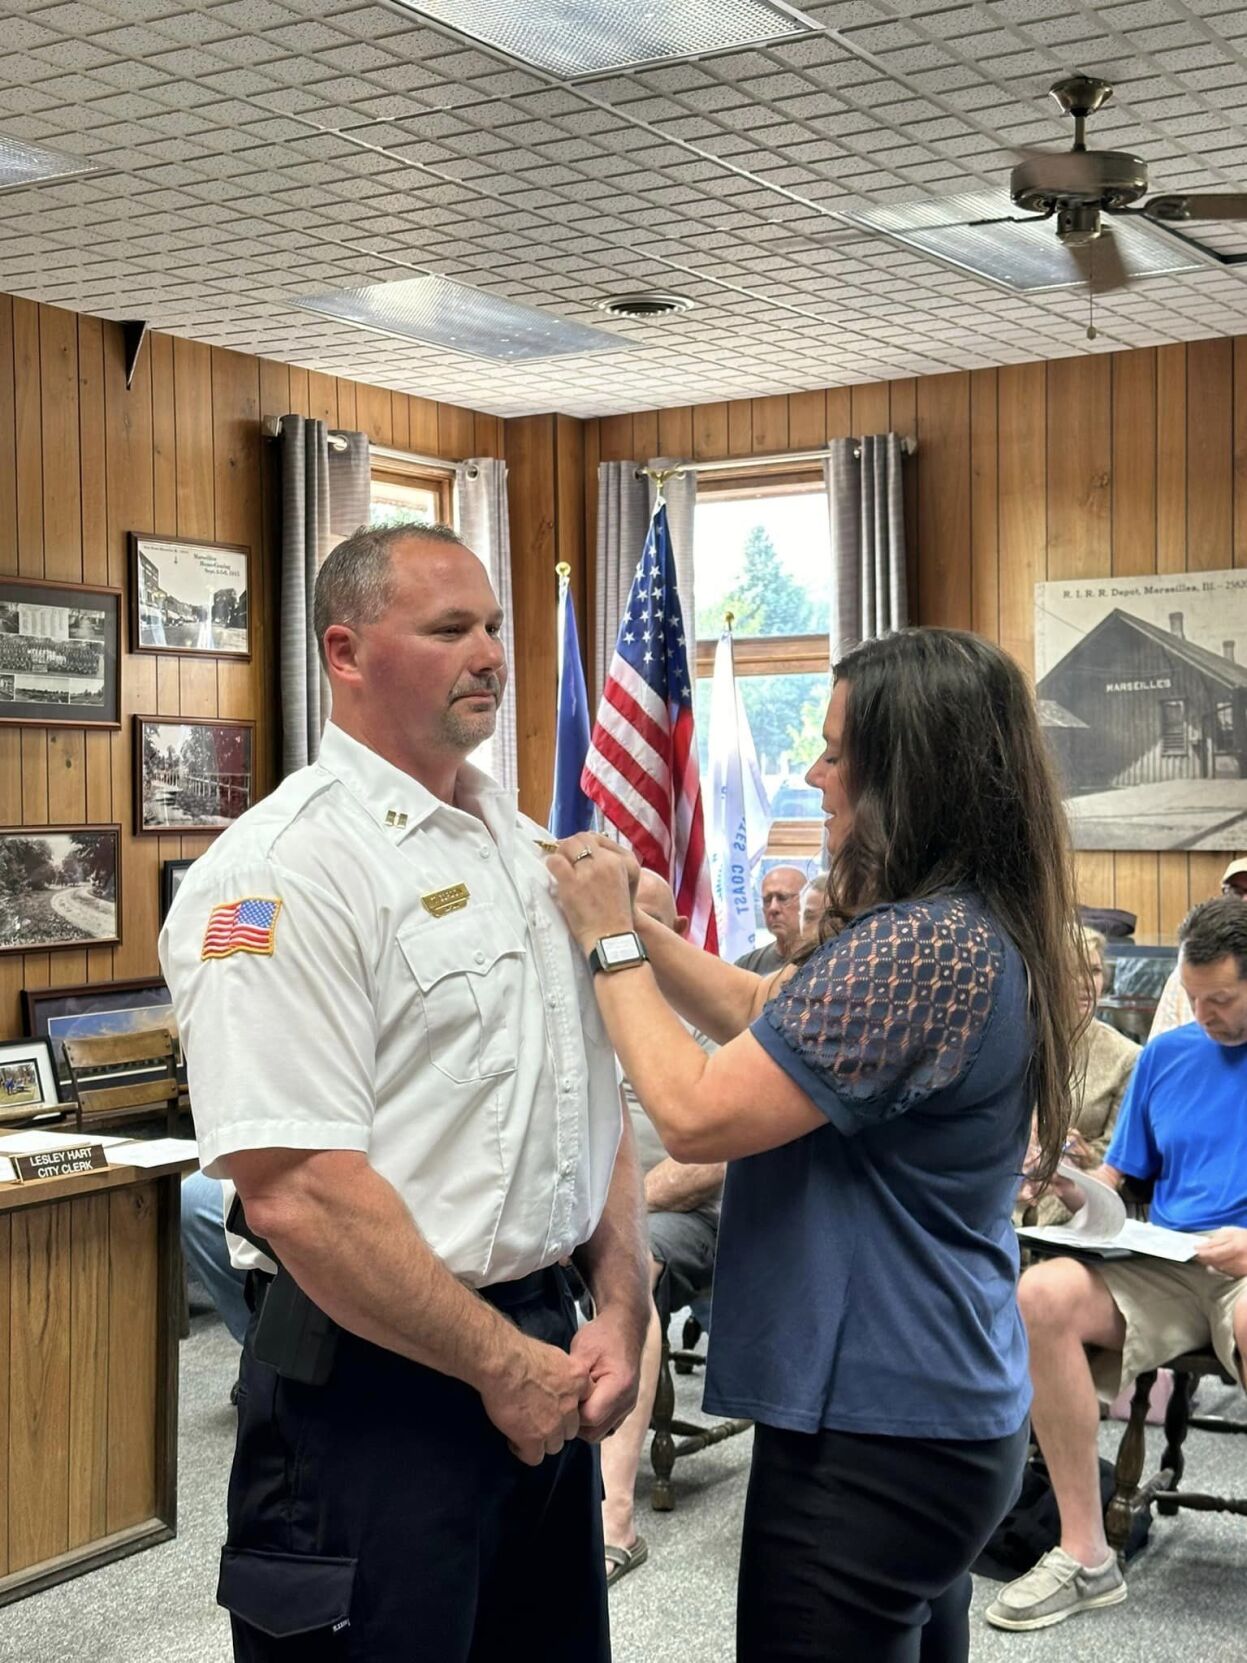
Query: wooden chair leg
(1119, 1515)
(1177, 1423)
(662, 1444)
(688, 1342)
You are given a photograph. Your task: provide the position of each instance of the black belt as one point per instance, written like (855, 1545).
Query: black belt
(504, 1295)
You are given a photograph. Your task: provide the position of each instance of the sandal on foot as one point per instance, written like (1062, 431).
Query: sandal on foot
(623, 1560)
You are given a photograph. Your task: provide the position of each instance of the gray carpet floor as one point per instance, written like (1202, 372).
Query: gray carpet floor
(1188, 1591)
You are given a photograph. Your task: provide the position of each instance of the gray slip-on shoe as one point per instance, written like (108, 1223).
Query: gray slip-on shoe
(1057, 1588)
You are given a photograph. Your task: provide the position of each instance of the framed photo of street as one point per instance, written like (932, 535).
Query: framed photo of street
(60, 654)
(191, 776)
(60, 886)
(189, 597)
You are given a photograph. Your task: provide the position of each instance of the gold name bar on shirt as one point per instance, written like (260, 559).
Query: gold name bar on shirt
(442, 901)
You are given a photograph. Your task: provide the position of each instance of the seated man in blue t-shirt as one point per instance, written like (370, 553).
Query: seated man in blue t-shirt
(1183, 1127)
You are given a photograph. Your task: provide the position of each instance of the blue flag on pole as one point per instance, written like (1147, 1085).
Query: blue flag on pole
(570, 810)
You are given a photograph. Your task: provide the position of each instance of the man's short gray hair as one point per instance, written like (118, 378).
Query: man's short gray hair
(1215, 930)
(355, 585)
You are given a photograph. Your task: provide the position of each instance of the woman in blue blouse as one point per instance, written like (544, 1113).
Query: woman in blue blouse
(874, 1103)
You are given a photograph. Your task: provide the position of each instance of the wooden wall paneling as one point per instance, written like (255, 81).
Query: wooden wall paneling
(373, 413)
(168, 687)
(839, 414)
(454, 432)
(91, 450)
(88, 1385)
(1175, 893)
(67, 776)
(871, 413)
(1080, 464)
(8, 443)
(1022, 498)
(807, 421)
(530, 442)
(322, 397)
(486, 434)
(298, 392)
(34, 776)
(196, 482)
(275, 390)
(675, 433)
(984, 504)
(164, 438)
(1136, 888)
(710, 433)
(1171, 459)
(58, 445)
(132, 1318)
(6, 1284)
(400, 420)
(28, 423)
(615, 439)
(903, 419)
(347, 417)
(242, 688)
(740, 427)
(942, 466)
(1210, 455)
(1134, 462)
(647, 444)
(770, 424)
(592, 438)
(1096, 878)
(39, 1386)
(421, 426)
(569, 489)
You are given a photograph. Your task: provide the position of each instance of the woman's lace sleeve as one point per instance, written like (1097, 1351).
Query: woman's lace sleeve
(891, 1011)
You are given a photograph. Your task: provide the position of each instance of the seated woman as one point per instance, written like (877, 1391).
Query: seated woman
(874, 1104)
(1104, 1062)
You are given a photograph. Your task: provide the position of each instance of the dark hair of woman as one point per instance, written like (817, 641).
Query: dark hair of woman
(952, 788)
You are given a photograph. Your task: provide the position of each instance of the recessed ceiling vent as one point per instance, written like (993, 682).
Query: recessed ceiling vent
(645, 305)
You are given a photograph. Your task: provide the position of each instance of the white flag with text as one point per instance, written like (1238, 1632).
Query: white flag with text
(738, 808)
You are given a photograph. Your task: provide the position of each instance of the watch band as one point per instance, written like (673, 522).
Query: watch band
(599, 962)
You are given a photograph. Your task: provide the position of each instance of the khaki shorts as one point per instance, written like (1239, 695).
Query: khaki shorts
(1168, 1309)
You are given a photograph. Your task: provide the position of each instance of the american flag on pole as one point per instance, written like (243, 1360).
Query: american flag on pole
(641, 769)
(245, 926)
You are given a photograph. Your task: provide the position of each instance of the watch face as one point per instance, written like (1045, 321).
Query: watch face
(620, 949)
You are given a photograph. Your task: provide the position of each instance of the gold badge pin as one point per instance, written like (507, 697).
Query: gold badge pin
(395, 817)
(545, 845)
(442, 901)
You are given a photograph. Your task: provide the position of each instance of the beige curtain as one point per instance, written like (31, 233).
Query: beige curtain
(867, 516)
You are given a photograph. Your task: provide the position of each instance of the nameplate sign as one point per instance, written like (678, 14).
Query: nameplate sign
(59, 1163)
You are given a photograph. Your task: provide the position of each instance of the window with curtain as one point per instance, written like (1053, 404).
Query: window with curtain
(762, 552)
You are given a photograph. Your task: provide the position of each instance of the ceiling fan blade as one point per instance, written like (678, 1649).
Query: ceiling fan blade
(1100, 263)
(1061, 171)
(1197, 205)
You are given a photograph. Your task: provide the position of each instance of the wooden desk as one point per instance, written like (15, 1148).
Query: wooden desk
(90, 1273)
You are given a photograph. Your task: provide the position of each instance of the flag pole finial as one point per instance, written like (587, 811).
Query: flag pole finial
(562, 569)
(729, 618)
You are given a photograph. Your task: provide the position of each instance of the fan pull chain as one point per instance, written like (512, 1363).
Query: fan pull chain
(1091, 328)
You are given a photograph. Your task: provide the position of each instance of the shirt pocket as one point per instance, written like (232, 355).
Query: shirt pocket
(469, 971)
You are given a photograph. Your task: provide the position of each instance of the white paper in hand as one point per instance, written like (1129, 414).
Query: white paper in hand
(1103, 1212)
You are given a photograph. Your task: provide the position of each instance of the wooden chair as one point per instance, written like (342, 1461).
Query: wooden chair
(673, 1439)
(94, 1063)
(1130, 1496)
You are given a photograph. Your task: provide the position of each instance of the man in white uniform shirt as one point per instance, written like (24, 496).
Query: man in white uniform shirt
(395, 1056)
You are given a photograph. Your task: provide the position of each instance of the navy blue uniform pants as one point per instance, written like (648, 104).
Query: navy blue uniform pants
(381, 1517)
(857, 1549)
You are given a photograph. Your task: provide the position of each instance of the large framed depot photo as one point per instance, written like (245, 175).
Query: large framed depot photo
(60, 886)
(191, 776)
(60, 654)
(188, 597)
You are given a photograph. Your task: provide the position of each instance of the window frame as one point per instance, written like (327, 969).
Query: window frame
(770, 655)
(403, 471)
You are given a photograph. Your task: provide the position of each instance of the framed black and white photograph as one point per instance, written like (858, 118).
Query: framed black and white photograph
(60, 654)
(1142, 690)
(191, 775)
(27, 1076)
(95, 1009)
(189, 597)
(171, 874)
(60, 886)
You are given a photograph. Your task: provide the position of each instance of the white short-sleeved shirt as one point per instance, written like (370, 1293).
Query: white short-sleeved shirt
(461, 1050)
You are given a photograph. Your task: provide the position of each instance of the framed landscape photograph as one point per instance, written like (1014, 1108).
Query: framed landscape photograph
(60, 886)
(60, 654)
(171, 874)
(189, 597)
(27, 1076)
(191, 775)
(94, 1009)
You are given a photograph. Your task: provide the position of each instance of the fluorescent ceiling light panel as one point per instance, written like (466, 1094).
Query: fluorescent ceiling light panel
(26, 164)
(1022, 253)
(446, 314)
(586, 37)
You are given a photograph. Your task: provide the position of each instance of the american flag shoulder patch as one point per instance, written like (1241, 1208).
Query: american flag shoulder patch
(248, 925)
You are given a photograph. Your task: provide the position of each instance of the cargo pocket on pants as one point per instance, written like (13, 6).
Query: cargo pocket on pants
(289, 1595)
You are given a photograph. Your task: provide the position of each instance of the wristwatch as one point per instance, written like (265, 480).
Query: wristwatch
(618, 952)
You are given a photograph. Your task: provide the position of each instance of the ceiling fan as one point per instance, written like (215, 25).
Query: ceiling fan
(1079, 186)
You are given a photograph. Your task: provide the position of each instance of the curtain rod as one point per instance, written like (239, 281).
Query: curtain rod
(337, 441)
(737, 464)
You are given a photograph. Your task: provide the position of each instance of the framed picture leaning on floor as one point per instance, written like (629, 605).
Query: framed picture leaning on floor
(191, 775)
(60, 654)
(60, 886)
